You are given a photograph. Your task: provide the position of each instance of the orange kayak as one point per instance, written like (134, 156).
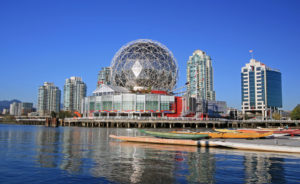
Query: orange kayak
(253, 131)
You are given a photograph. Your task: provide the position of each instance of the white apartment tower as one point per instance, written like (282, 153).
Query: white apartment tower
(200, 76)
(48, 99)
(74, 92)
(261, 89)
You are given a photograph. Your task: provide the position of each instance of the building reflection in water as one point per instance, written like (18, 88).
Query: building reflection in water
(261, 168)
(173, 164)
(72, 150)
(47, 141)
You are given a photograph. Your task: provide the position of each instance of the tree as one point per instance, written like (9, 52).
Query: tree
(276, 116)
(53, 114)
(65, 114)
(295, 114)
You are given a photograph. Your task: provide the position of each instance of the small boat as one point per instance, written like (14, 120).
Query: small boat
(225, 130)
(288, 131)
(229, 135)
(275, 131)
(253, 131)
(174, 135)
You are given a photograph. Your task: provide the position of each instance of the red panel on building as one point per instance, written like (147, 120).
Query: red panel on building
(159, 92)
(177, 107)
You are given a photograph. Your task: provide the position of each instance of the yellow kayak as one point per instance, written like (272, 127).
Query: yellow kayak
(229, 135)
(225, 130)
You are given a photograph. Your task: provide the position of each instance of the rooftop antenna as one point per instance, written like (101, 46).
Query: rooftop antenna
(251, 52)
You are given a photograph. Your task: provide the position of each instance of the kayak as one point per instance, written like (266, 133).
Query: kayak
(225, 130)
(229, 135)
(275, 131)
(174, 135)
(253, 131)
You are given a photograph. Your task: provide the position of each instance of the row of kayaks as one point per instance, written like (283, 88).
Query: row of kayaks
(275, 131)
(217, 134)
(197, 139)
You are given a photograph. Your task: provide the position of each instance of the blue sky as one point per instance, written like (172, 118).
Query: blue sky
(52, 40)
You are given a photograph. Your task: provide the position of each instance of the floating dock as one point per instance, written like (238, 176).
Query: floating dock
(285, 145)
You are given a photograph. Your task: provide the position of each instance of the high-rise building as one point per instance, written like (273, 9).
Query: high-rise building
(14, 109)
(18, 109)
(48, 99)
(200, 76)
(74, 92)
(5, 111)
(261, 89)
(26, 107)
(104, 76)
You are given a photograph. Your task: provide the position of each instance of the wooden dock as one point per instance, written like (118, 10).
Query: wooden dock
(162, 122)
(144, 122)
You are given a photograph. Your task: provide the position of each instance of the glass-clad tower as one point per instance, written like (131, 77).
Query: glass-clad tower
(74, 92)
(48, 99)
(200, 76)
(261, 89)
(104, 76)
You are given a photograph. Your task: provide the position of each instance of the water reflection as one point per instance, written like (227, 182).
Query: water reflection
(47, 147)
(89, 153)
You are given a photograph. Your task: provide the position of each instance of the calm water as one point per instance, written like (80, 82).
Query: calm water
(37, 154)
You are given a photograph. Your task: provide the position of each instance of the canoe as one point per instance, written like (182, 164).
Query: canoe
(275, 131)
(229, 135)
(288, 131)
(174, 135)
(253, 131)
(154, 140)
(225, 130)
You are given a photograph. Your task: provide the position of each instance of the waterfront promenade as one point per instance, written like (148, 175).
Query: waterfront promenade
(157, 122)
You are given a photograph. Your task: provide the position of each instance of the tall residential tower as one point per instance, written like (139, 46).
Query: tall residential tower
(74, 92)
(104, 76)
(261, 89)
(200, 76)
(48, 99)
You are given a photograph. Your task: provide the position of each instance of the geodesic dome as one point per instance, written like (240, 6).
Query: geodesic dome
(144, 64)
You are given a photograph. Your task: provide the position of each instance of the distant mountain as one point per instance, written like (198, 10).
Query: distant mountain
(6, 103)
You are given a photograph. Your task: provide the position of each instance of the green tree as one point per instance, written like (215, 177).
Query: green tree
(61, 115)
(276, 116)
(65, 114)
(295, 114)
(53, 114)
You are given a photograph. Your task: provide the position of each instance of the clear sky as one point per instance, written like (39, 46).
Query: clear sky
(51, 40)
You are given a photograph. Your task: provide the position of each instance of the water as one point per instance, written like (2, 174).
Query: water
(38, 154)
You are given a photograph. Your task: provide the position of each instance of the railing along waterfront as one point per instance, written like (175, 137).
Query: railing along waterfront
(174, 122)
(157, 122)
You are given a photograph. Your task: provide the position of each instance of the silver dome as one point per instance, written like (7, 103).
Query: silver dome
(144, 64)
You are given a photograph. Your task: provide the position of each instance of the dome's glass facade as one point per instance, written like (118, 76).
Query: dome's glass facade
(144, 64)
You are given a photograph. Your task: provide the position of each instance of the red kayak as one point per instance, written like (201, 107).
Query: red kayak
(288, 131)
